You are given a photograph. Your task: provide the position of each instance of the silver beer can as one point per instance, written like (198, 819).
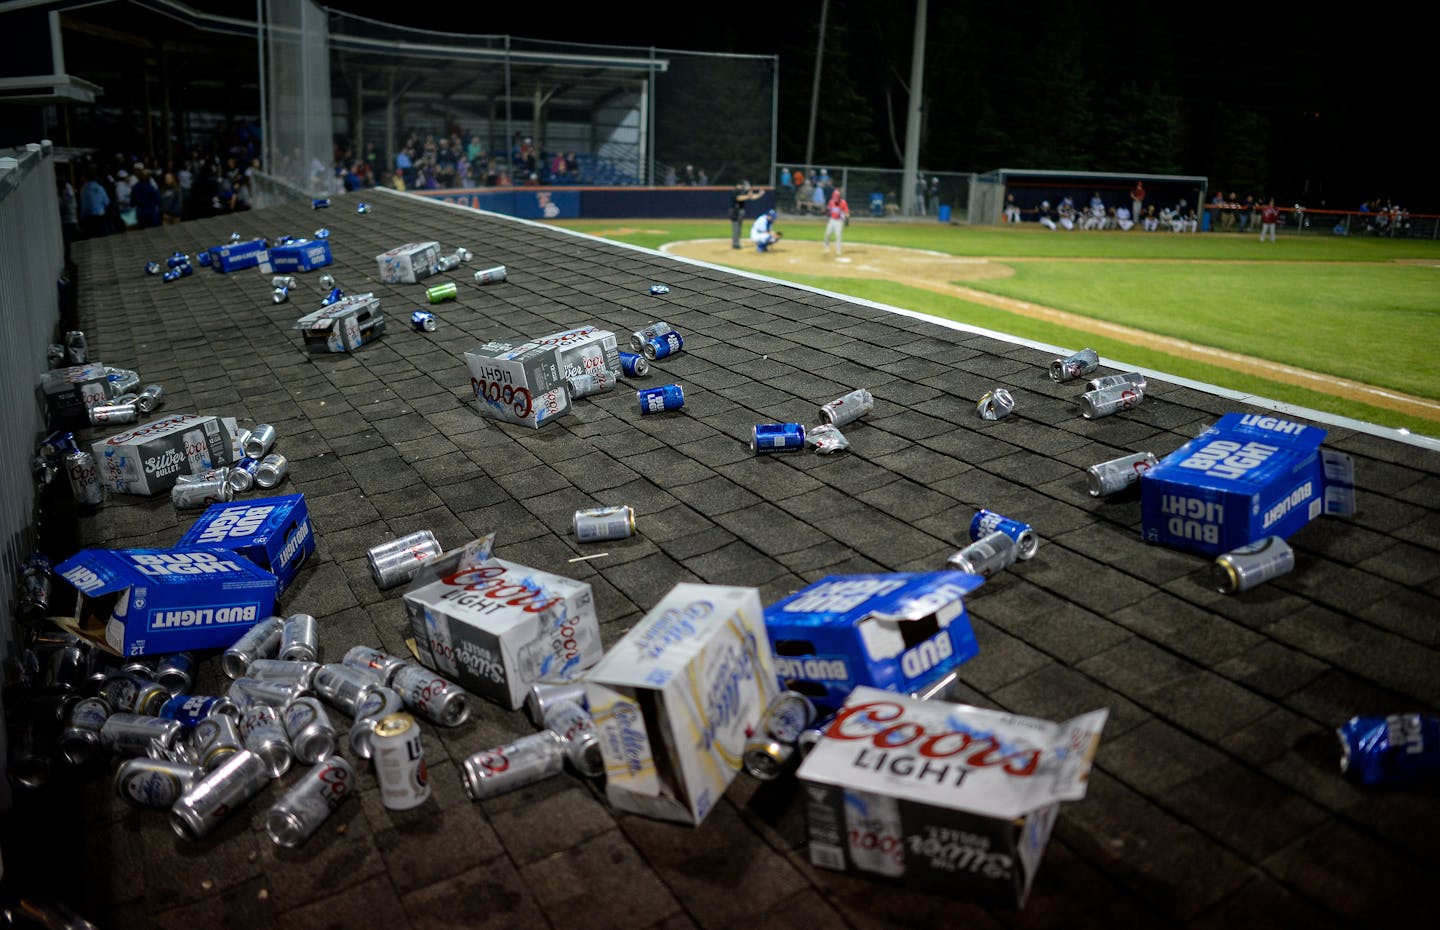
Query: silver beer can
(995, 404)
(1078, 365)
(491, 275)
(525, 761)
(283, 280)
(193, 495)
(847, 409)
(649, 331)
(127, 734)
(596, 382)
(986, 556)
(396, 562)
(102, 414)
(264, 735)
(378, 703)
(145, 782)
(261, 641)
(310, 802)
(283, 671)
(150, 398)
(219, 794)
(176, 672)
(300, 640)
(1243, 568)
(312, 736)
(242, 475)
(582, 744)
(1097, 404)
(343, 688)
(399, 754)
(373, 661)
(84, 478)
(259, 441)
(247, 692)
(766, 758)
(129, 693)
(546, 696)
(1118, 474)
(433, 697)
(1132, 378)
(215, 739)
(80, 740)
(272, 470)
(601, 523)
(787, 716)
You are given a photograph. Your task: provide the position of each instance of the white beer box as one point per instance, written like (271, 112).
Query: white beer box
(343, 326)
(939, 796)
(674, 700)
(525, 383)
(148, 458)
(583, 351)
(495, 627)
(408, 263)
(71, 392)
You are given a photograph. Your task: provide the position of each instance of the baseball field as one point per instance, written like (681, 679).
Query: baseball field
(1348, 326)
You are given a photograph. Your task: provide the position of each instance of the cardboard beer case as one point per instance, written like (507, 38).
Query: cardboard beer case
(900, 631)
(273, 532)
(942, 797)
(343, 326)
(148, 457)
(296, 255)
(235, 256)
(409, 263)
(71, 392)
(495, 627)
(675, 699)
(1247, 477)
(157, 601)
(524, 383)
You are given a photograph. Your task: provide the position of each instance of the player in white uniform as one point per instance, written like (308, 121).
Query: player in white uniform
(763, 232)
(839, 212)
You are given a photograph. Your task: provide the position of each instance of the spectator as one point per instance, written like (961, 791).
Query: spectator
(94, 208)
(123, 182)
(172, 200)
(1012, 209)
(145, 200)
(1043, 216)
(69, 213)
(1269, 216)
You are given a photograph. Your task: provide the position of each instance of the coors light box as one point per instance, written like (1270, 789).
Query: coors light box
(147, 458)
(942, 797)
(524, 383)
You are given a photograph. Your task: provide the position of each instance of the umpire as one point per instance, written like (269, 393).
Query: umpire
(738, 198)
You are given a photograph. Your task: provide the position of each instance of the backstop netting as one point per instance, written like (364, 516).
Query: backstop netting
(298, 126)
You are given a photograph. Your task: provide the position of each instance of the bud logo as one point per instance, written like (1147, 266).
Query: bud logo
(218, 616)
(1273, 424)
(813, 669)
(1224, 458)
(841, 596)
(83, 578)
(916, 662)
(183, 563)
(238, 522)
(295, 543)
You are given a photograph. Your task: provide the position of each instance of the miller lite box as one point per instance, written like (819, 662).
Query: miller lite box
(524, 383)
(71, 392)
(942, 797)
(296, 255)
(901, 631)
(156, 601)
(676, 698)
(408, 263)
(1247, 477)
(273, 532)
(495, 627)
(344, 326)
(234, 256)
(148, 458)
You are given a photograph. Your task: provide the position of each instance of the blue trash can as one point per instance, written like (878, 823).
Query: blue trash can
(944, 213)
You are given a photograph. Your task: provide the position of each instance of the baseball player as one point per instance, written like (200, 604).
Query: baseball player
(839, 213)
(763, 232)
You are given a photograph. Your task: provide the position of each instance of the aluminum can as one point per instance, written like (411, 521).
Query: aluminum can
(322, 233)
(333, 297)
(1132, 378)
(787, 716)
(343, 688)
(647, 332)
(658, 289)
(84, 478)
(875, 833)
(176, 672)
(126, 734)
(362, 207)
(36, 585)
(284, 671)
(1118, 474)
(995, 405)
(986, 522)
(525, 761)
(813, 734)
(826, 439)
(247, 692)
(280, 295)
(264, 735)
(433, 697)
(150, 397)
(845, 410)
(399, 755)
(663, 345)
(178, 272)
(300, 639)
(261, 641)
(226, 789)
(114, 413)
(491, 275)
(176, 260)
(66, 668)
(597, 382)
(660, 399)
(1395, 750)
(189, 709)
(634, 365)
(455, 260)
(272, 470)
(283, 280)
(139, 667)
(310, 802)
(442, 292)
(766, 758)
(242, 474)
(374, 662)
(1097, 404)
(1076, 366)
(545, 696)
(986, 556)
(145, 782)
(582, 744)
(311, 733)
(131, 694)
(1243, 568)
(152, 267)
(319, 203)
(192, 495)
(80, 740)
(938, 690)
(601, 523)
(56, 355)
(215, 739)
(327, 281)
(259, 441)
(378, 703)
(423, 321)
(396, 562)
(76, 348)
(777, 437)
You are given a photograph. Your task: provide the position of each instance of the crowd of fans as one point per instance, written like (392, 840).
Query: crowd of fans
(451, 162)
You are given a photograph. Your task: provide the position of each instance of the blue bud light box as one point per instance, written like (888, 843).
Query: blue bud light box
(273, 532)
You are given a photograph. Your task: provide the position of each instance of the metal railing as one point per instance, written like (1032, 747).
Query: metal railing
(877, 192)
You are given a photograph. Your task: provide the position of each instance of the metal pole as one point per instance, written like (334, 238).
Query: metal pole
(912, 121)
(774, 121)
(650, 124)
(509, 129)
(267, 149)
(815, 88)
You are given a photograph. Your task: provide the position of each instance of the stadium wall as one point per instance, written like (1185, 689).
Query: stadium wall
(571, 203)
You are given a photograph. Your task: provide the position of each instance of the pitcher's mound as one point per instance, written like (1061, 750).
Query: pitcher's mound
(861, 260)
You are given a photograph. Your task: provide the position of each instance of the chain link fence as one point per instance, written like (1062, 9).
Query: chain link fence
(875, 192)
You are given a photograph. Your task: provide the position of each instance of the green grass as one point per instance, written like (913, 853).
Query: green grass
(1377, 323)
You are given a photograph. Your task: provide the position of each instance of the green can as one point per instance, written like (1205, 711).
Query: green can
(439, 292)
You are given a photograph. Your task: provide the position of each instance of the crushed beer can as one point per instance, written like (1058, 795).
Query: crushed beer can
(634, 364)
(1078, 365)
(343, 687)
(1133, 378)
(319, 203)
(362, 207)
(601, 523)
(777, 437)
(177, 259)
(399, 756)
(286, 281)
(423, 321)
(986, 556)
(659, 289)
(1097, 404)
(322, 233)
(995, 404)
(1248, 566)
(826, 439)
(660, 399)
(77, 350)
(663, 345)
(310, 802)
(986, 522)
(491, 275)
(527, 760)
(280, 295)
(335, 296)
(222, 792)
(152, 267)
(843, 411)
(1395, 750)
(461, 256)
